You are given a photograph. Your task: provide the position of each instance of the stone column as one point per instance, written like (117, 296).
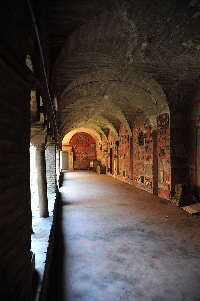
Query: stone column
(41, 180)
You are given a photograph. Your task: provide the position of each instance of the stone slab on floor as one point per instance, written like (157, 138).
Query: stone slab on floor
(193, 209)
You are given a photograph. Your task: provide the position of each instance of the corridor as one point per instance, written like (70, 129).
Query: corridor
(117, 242)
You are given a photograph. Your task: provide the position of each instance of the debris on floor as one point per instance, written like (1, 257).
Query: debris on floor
(193, 209)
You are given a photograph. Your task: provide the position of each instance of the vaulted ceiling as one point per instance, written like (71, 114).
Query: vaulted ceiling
(111, 57)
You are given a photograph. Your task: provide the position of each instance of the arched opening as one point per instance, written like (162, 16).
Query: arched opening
(84, 150)
(81, 149)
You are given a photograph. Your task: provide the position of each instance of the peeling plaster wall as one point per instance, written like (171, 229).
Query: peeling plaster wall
(179, 138)
(194, 141)
(142, 152)
(111, 154)
(104, 151)
(84, 150)
(98, 150)
(164, 163)
(124, 152)
(149, 156)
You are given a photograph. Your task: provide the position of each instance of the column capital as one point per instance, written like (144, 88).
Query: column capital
(39, 146)
(39, 138)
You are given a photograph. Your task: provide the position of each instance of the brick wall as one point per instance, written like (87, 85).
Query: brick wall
(179, 137)
(50, 157)
(124, 152)
(194, 141)
(142, 151)
(111, 153)
(104, 151)
(164, 160)
(145, 157)
(15, 213)
(98, 149)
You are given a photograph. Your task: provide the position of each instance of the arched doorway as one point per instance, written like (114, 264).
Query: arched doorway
(84, 150)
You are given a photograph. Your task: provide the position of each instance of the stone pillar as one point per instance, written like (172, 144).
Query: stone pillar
(155, 163)
(33, 176)
(41, 180)
(115, 149)
(57, 163)
(71, 159)
(198, 162)
(179, 139)
(117, 158)
(65, 160)
(50, 156)
(131, 158)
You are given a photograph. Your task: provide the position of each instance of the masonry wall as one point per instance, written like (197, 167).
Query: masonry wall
(142, 152)
(104, 152)
(15, 211)
(50, 156)
(194, 140)
(84, 150)
(124, 152)
(98, 150)
(145, 158)
(111, 154)
(179, 139)
(164, 156)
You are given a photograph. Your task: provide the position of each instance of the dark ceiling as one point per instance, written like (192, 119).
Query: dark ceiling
(112, 57)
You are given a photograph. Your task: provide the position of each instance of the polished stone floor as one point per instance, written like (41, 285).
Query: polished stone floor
(117, 242)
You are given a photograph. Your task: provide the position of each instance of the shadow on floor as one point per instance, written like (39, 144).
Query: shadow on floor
(35, 284)
(57, 275)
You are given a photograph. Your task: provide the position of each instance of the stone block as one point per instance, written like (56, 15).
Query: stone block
(193, 209)
(101, 169)
(183, 195)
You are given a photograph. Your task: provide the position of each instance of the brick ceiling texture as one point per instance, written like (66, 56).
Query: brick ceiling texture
(111, 57)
